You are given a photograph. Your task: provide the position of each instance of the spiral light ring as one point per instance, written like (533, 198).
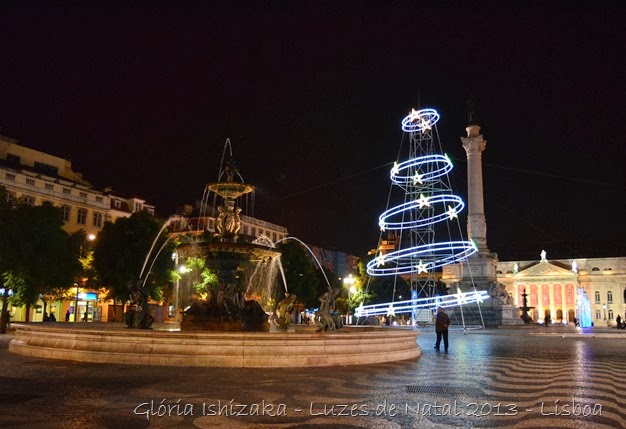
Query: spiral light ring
(441, 164)
(436, 255)
(420, 120)
(385, 224)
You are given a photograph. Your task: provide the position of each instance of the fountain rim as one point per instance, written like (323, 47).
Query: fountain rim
(238, 248)
(239, 189)
(214, 349)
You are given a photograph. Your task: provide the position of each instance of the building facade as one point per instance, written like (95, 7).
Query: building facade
(35, 177)
(552, 287)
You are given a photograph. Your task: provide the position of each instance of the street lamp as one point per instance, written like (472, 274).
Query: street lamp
(182, 269)
(349, 282)
(90, 238)
(604, 307)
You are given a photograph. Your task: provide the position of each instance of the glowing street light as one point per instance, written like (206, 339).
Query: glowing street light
(349, 283)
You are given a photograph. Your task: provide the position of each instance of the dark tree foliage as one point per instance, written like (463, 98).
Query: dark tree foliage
(381, 289)
(120, 253)
(301, 275)
(43, 259)
(5, 249)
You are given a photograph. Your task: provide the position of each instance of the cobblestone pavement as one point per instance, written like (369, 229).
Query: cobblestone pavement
(510, 378)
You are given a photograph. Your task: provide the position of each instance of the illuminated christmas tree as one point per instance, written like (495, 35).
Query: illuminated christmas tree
(429, 208)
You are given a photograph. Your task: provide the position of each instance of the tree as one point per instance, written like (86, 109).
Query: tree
(300, 274)
(43, 261)
(121, 251)
(5, 254)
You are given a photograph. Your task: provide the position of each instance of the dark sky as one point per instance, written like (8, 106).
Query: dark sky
(143, 97)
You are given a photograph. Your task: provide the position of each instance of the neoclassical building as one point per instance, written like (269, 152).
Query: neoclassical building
(552, 287)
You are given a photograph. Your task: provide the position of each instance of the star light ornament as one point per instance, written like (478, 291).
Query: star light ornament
(451, 212)
(421, 267)
(380, 260)
(423, 201)
(390, 311)
(417, 178)
(395, 169)
(462, 296)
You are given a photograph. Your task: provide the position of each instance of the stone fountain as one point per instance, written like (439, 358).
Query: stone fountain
(228, 305)
(227, 327)
(525, 308)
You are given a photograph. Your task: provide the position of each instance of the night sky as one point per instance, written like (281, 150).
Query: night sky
(143, 97)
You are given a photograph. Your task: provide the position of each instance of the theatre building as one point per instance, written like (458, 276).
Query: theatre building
(554, 287)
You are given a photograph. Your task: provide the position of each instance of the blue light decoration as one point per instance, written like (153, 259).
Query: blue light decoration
(445, 301)
(584, 309)
(429, 203)
(420, 177)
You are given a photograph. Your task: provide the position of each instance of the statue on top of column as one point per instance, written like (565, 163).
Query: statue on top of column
(471, 110)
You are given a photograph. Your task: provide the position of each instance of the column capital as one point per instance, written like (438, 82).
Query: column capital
(474, 142)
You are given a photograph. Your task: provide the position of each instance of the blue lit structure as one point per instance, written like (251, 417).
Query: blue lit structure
(584, 309)
(429, 203)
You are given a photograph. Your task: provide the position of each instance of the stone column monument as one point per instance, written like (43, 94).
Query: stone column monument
(480, 269)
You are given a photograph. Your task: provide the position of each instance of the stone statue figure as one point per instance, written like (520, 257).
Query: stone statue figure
(471, 110)
(324, 317)
(283, 309)
(140, 317)
(497, 291)
(220, 223)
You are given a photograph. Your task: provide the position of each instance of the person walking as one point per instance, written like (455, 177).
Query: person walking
(441, 328)
(67, 316)
(619, 321)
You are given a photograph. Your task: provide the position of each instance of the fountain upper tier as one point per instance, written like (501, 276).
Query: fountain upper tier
(253, 252)
(230, 190)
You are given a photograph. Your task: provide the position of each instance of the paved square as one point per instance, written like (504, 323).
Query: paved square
(494, 378)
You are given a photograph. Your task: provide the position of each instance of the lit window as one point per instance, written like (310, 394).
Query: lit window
(97, 219)
(81, 216)
(609, 297)
(597, 296)
(65, 213)
(10, 198)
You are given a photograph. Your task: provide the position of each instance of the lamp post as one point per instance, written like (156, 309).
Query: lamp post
(604, 307)
(90, 238)
(349, 282)
(182, 269)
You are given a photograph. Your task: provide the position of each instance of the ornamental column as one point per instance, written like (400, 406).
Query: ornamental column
(474, 145)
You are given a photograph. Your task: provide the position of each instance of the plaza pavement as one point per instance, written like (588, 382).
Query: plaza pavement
(515, 378)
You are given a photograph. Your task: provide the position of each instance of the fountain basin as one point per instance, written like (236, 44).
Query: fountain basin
(215, 349)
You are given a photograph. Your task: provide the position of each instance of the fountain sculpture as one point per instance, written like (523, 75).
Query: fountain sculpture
(220, 327)
(525, 317)
(230, 304)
